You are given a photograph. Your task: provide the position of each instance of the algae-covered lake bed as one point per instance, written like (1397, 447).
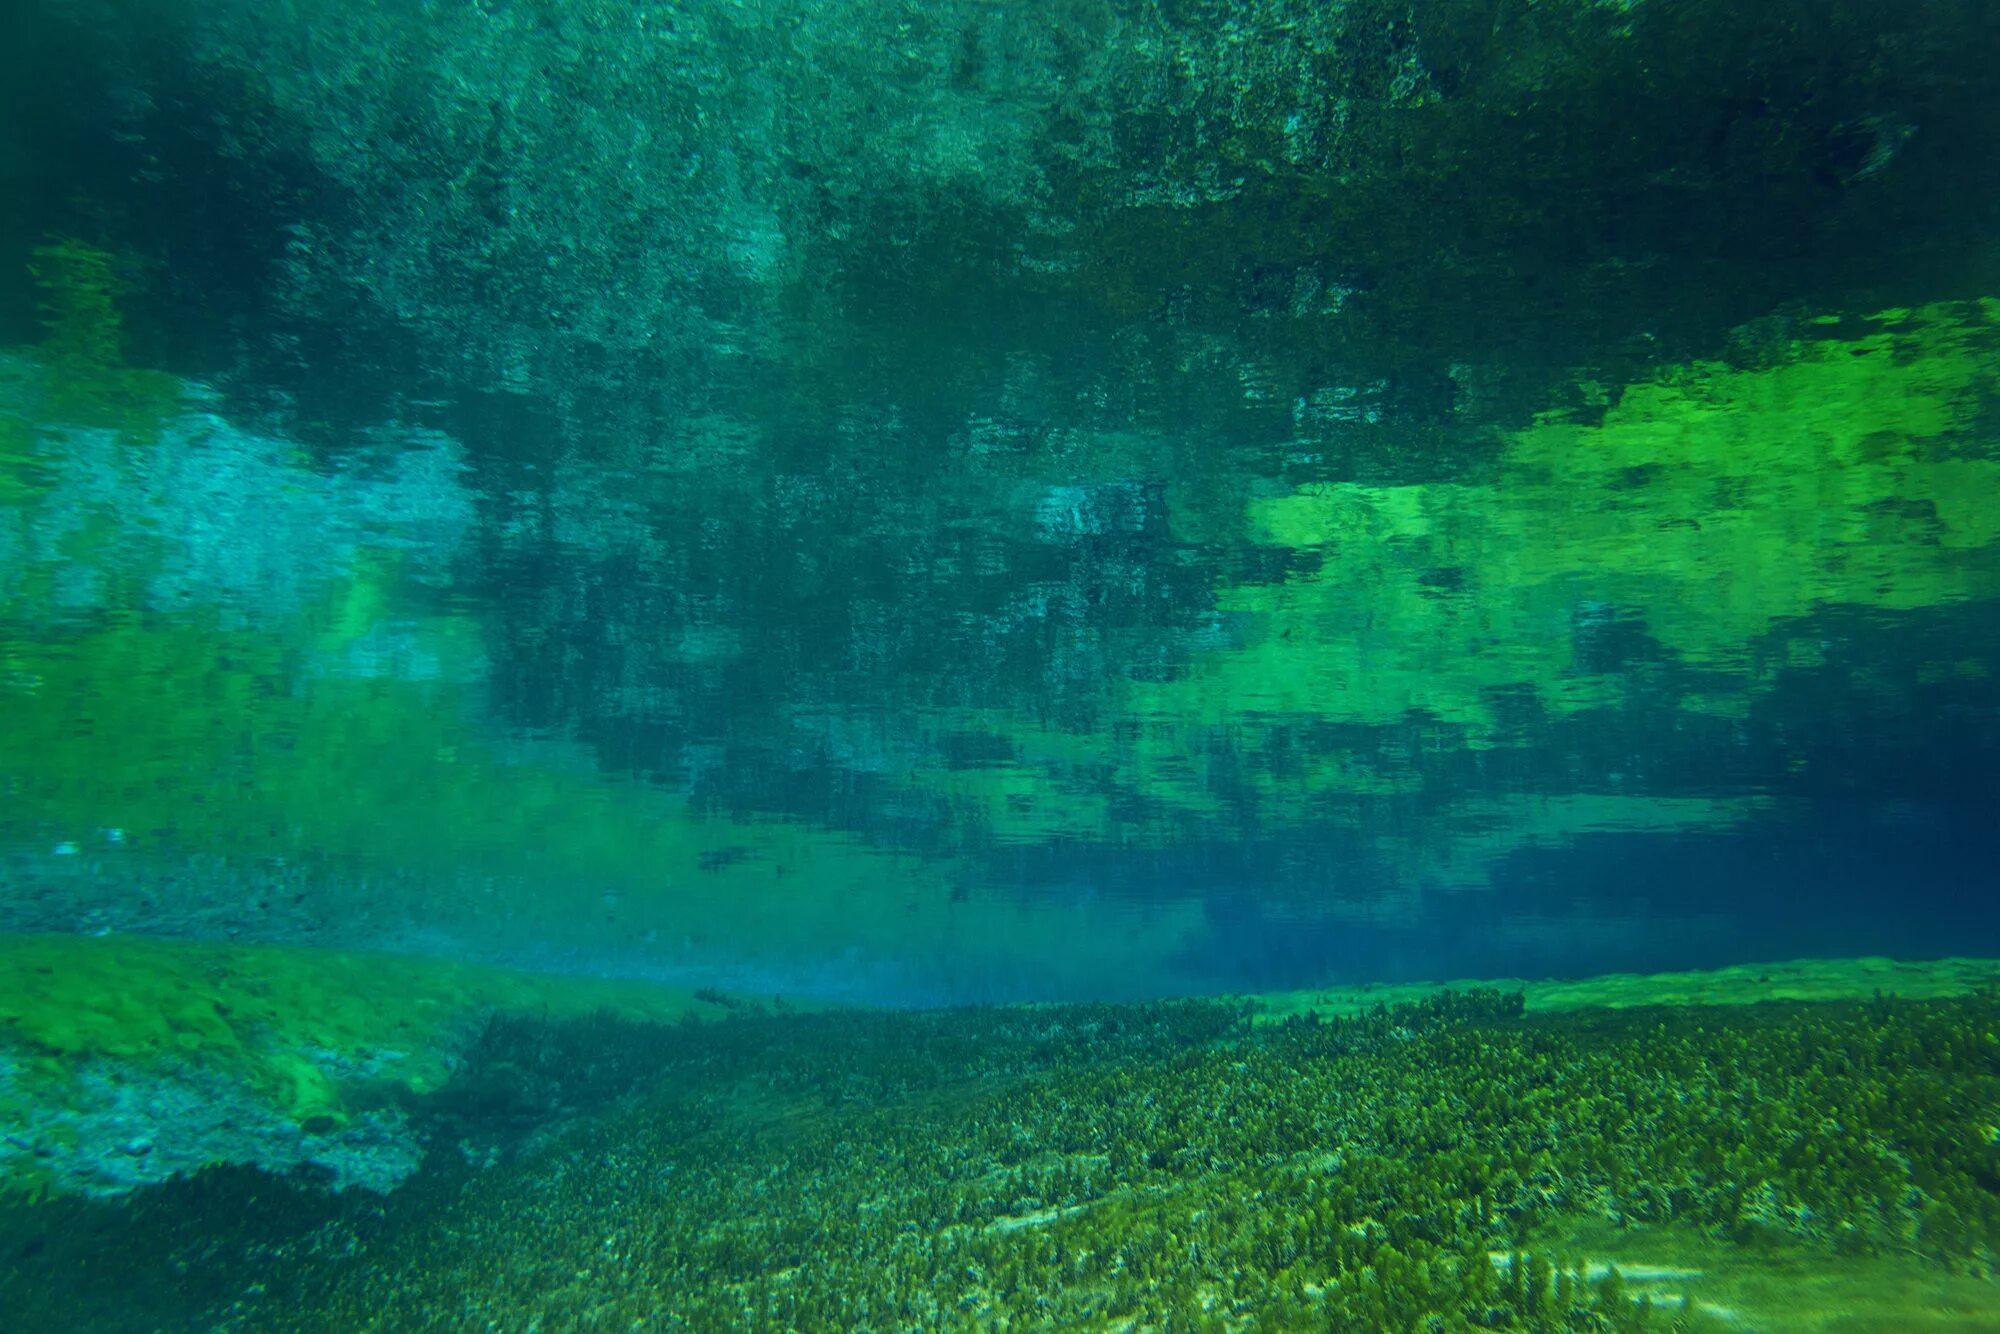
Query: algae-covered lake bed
(1621, 1153)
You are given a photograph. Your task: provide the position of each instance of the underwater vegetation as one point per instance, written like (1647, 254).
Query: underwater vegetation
(129, 1060)
(1449, 1164)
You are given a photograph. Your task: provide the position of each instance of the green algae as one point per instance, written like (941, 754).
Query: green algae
(295, 1022)
(1451, 1164)
(1456, 1162)
(1736, 984)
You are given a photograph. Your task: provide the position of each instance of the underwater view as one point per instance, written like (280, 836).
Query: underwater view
(1067, 665)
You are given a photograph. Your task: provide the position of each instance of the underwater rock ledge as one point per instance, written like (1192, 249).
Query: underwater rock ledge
(127, 1060)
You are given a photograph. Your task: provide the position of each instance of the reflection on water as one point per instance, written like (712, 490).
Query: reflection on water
(1040, 738)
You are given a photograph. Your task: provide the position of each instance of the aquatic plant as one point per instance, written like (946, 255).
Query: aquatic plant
(1454, 1164)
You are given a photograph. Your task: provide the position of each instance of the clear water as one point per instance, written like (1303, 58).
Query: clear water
(530, 507)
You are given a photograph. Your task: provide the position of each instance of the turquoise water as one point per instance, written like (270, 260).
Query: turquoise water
(682, 520)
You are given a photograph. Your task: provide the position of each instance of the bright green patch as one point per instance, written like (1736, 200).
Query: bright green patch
(1696, 522)
(1739, 984)
(1709, 506)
